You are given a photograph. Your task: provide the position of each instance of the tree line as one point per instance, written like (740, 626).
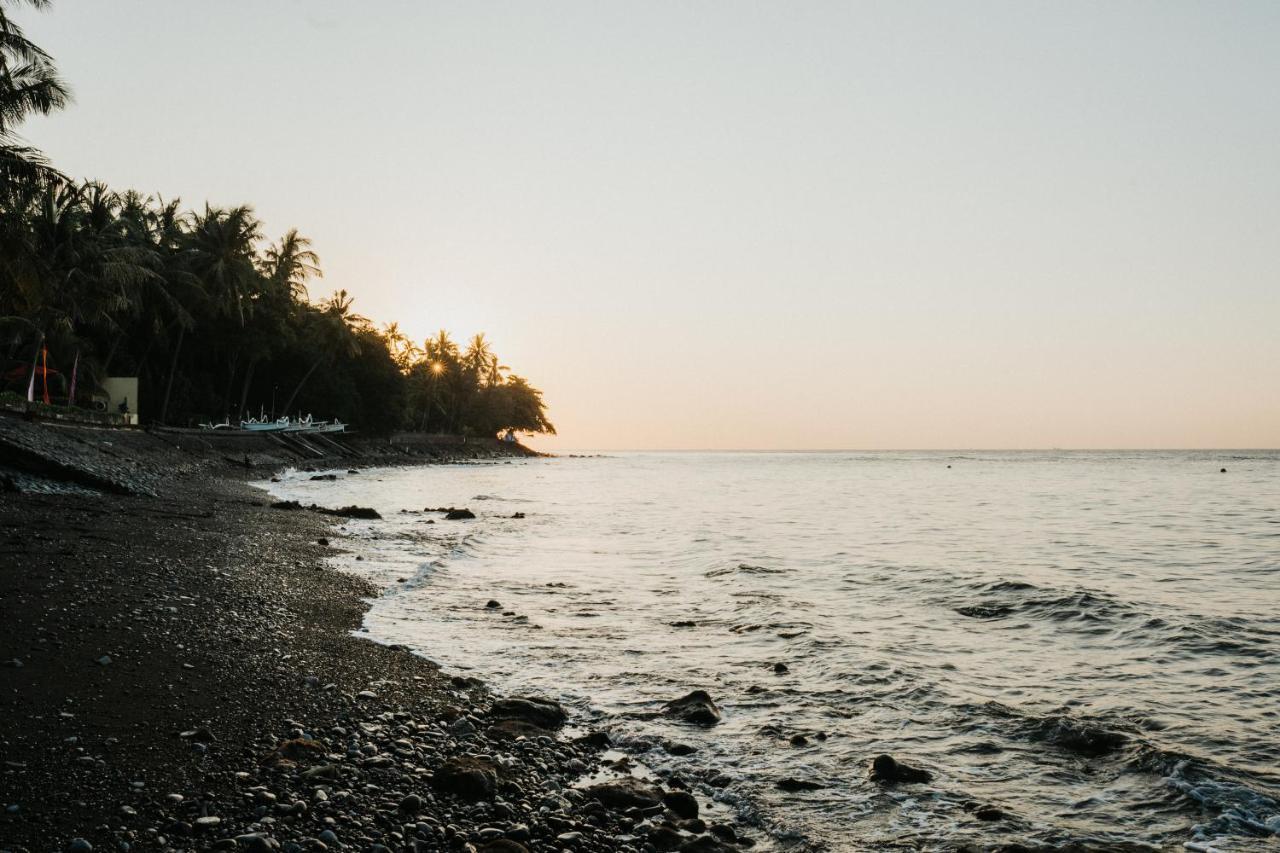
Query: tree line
(214, 320)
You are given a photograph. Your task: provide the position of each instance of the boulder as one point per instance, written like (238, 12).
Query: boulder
(681, 803)
(543, 713)
(696, 708)
(886, 770)
(468, 778)
(625, 794)
(459, 514)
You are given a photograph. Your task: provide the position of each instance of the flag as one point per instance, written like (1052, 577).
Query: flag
(45, 376)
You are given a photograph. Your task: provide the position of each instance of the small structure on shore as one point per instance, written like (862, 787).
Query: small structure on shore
(121, 394)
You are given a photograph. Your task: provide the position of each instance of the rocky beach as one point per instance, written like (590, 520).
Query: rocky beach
(180, 672)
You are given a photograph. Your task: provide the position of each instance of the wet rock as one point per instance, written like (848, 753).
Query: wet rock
(325, 477)
(664, 838)
(353, 512)
(544, 713)
(411, 804)
(781, 668)
(679, 748)
(105, 660)
(625, 793)
(468, 778)
(990, 813)
(799, 740)
(984, 611)
(493, 604)
(1077, 736)
(458, 514)
(79, 845)
(887, 770)
(681, 803)
(696, 708)
(790, 783)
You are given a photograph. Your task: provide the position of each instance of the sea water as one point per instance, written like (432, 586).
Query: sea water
(1086, 641)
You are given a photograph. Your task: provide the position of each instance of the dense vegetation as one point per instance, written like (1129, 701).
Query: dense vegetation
(214, 321)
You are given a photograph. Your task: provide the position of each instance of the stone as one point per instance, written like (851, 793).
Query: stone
(696, 707)
(79, 845)
(458, 514)
(104, 660)
(543, 713)
(681, 803)
(625, 793)
(887, 770)
(792, 784)
(411, 804)
(468, 778)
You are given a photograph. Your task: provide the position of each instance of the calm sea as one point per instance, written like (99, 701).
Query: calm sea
(1087, 641)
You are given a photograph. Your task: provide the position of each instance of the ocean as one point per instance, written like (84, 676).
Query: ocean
(1084, 641)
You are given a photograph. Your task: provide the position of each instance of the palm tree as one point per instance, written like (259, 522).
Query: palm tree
(481, 360)
(403, 351)
(77, 277)
(286, 267)
(333, 331)
(290, 263)
(223, 255)
(29, 84)
(221, 252)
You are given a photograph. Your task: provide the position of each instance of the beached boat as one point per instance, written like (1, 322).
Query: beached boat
(254, 425)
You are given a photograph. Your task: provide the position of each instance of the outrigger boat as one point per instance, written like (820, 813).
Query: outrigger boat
(255, 425)
(265, 424)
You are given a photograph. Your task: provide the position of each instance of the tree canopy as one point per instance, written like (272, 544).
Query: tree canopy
(214, 320)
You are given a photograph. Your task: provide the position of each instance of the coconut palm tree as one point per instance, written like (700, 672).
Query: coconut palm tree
(29, 85)
(222, 246)
(290, 263)
(333, 332)
(220, 249)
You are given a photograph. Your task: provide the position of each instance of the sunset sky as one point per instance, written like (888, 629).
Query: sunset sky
(737, 225)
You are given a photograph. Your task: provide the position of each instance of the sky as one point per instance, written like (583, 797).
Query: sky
(748, 225)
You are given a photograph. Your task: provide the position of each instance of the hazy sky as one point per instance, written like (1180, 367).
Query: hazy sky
(737, 225)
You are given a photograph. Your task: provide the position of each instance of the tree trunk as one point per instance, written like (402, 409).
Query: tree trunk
(303, 381)
(244, 392)
(111, 354)
(231, 378)
(173, 368)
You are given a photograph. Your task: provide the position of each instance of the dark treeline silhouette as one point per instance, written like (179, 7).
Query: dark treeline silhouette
(215, 321)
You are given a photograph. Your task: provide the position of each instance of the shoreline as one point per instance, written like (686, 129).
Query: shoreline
(181, 672)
